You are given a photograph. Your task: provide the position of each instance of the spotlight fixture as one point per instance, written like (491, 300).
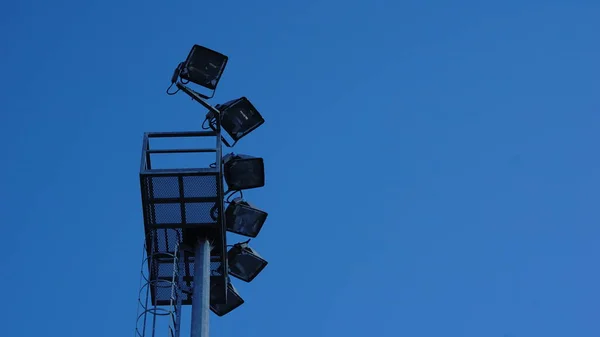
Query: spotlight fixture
(233, 301)
(244, 262)
(203, 66)
(243, 218)
(243, 172)
(238, 118)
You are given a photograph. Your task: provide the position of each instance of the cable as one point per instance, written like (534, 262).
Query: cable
(231, 194)
(172, 93)
(204, 127)
(213, 213)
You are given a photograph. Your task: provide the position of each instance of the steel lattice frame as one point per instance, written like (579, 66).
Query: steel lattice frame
(177, 206)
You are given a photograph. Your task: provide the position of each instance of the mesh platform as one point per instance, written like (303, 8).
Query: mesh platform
(178, 205)
(180, 200)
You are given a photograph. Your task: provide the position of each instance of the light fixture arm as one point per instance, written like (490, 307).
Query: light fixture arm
(198, 98)
(201, 99)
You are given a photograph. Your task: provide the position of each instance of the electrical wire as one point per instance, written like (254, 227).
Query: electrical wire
(213, 213)
(204, 127)
(230, 194)
(172, 93)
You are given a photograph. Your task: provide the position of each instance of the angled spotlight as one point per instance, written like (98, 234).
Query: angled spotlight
(238, 118)
(243, 218)
(244, 262)
(204, 67)
(243, 172)
(233, 301)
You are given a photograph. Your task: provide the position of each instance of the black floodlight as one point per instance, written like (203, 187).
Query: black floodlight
(204, 67)
(238, 118)
(243, 218)
(244, 262)
(243, 172)
(233, 301)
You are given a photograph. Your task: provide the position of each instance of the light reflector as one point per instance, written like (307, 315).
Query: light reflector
(243, 172)
(244, 262)
(243, 218)
(239, 117)
(234, 300)
(204, 67)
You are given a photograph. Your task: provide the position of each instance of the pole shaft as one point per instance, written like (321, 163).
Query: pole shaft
(201, 295)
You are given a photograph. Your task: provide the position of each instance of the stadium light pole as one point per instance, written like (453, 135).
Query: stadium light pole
(177, 228)
(201, 290)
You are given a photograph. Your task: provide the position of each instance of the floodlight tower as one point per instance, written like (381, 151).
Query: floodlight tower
(185, 219)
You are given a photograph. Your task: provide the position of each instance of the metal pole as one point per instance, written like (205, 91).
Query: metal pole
(201, 295)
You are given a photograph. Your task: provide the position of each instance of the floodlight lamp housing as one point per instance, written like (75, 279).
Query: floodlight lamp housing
(243, 218)
(204, 67)
(239, 117)
(234, 300)
(243, 172)
(244, 262)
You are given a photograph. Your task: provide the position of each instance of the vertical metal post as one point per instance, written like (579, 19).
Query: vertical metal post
(201, 291)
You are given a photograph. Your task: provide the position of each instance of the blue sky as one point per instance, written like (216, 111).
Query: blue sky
(432, 166)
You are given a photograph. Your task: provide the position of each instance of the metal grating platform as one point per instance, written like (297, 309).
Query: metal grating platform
(183, 200)
(179, 204)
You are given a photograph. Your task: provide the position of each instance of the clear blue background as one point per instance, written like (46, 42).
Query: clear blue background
(432, 167)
